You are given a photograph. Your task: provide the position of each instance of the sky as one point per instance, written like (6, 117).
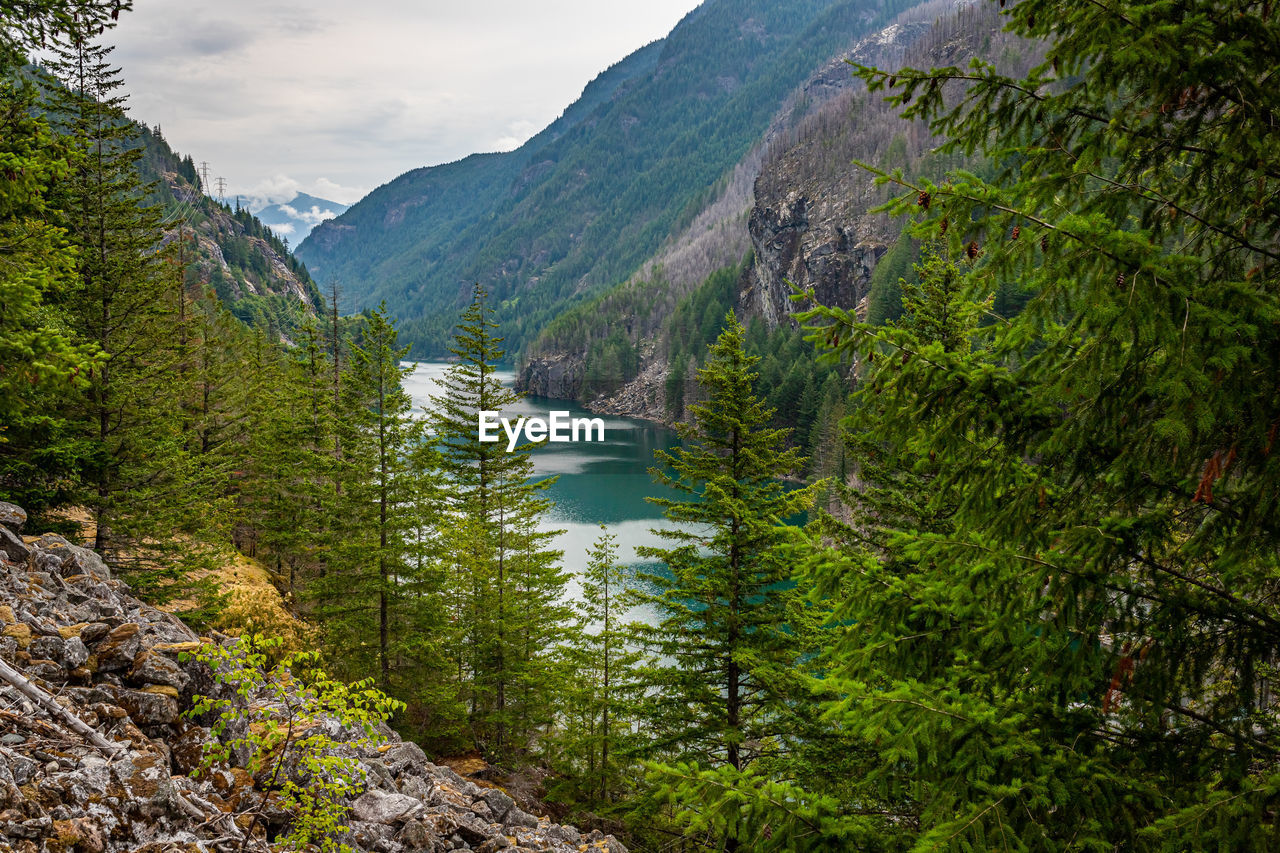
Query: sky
(335, 98)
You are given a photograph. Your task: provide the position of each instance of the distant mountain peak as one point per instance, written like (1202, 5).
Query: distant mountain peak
(295, 218)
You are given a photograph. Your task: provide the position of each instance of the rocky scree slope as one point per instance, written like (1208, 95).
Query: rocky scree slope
(96, 755)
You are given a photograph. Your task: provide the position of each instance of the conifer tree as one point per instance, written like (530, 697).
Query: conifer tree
(41, 355)
(595, 731)
(1075, 652)
(504, 565)
(725, 606)
(287, 467)
(139, 479)
(371, 600)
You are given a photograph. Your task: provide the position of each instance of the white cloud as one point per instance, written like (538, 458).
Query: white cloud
(347, 100)
(519, 134)
(274, 190)
(283, 229)
(312, 217)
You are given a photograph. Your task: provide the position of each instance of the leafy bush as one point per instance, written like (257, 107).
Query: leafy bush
(277, 715)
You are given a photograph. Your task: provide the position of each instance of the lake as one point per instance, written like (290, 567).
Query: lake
(599, 482)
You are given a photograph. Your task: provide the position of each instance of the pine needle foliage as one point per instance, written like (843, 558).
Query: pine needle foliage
(725, 628)
(507, 581)
(1067, 637)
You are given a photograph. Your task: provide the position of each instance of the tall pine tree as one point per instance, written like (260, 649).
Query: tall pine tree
(508, 577)
(371, 598)
(140, 482)
(1079, 654)
(725, 602)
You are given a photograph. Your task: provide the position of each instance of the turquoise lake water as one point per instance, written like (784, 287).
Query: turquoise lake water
(598, 482)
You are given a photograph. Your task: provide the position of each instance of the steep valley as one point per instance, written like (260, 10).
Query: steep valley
(798, 208)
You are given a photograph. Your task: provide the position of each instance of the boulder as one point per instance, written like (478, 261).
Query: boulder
(150, 667)
(12, 517)
(417, 835)
(516, 817)
(384, 808)
(47, 648)
(74, 653)
(499, 802)
(147, 708)
(119, 648)
(76, 560)
(94, 631)
(12, 546)
(404, 756)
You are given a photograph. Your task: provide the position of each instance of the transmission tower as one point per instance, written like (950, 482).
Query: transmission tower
(222, 188)
(204, 175)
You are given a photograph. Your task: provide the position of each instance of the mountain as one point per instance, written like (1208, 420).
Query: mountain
(293, 220)
(796, 209)
(227, 250)
(584, 203)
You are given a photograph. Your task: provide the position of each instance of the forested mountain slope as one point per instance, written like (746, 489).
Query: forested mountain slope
(223, 247)
(583, 204)
(798, 207)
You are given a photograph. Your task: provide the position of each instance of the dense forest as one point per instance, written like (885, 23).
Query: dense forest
(1033, 606)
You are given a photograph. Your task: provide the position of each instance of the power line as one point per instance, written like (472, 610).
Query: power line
(222, 188)
(204, 175)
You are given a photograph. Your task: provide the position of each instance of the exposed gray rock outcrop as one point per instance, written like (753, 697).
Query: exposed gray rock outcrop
(113, 770)
(558, 376)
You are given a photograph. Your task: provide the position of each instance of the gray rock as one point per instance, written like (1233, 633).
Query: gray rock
(74, 653)
(148, 709)
(118, 649)
(607, 843)
(416, 835)
(45, 562)
(74, 557)
(46, 648)
(48, 670)
(405, 756)
(384, 808)
(416, 787)
(12, 546)
(20, 768)
(449, 774)
(154, 668)
(499, 802)
(516, 817)
(566, 834)
(37, 827)
(12, 516)
(94, 631)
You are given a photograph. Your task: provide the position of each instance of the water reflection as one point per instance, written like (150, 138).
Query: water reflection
(599, 482)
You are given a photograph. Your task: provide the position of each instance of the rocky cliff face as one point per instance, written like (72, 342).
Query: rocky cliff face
(96, 754)
(813, 243)
(214, 228)
(811, 224)
(808, 219)
(558, 376)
